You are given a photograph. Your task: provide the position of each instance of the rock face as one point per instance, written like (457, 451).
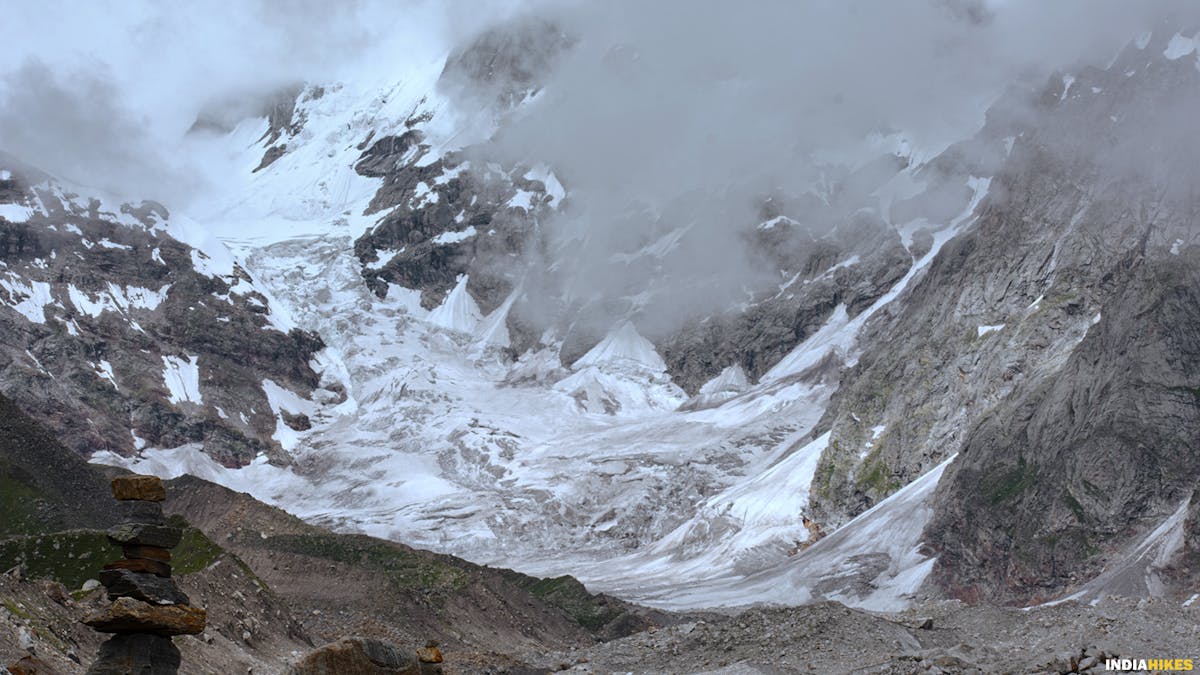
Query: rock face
(358, 656)
(1073, 467)
(114, 325)
(1049, 344)
(147, 606)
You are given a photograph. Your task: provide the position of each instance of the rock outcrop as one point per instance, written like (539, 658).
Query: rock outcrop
(119, 335)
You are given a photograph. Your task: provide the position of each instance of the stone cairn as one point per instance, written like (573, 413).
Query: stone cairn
(147, 606)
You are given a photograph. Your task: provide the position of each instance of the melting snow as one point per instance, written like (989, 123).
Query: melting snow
(985, 329)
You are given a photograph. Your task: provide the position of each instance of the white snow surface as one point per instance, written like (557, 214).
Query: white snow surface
(623, 345)
(16, 213)
(732, 378)
(433, 438)
(30, 298)
(1180, 46)
(458, 312)
(182, 377)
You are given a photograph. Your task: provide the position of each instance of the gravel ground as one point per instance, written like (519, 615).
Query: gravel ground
(832, 638)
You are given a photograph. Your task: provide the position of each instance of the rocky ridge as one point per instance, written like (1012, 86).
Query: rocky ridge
(121, 336)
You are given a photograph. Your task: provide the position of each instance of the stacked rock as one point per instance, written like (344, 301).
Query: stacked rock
(147, 606)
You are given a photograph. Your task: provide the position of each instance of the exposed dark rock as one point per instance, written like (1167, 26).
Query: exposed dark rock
(150, 513)
(146, 552)
(296, 422)
(148, 588)
(162, 536)
(138, 654)
(1074, 466)
(273, 153)
(506, 63)
(140, 565)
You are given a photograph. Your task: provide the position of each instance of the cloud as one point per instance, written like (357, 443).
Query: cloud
(663, 115)
(677, 114)
(102, 93)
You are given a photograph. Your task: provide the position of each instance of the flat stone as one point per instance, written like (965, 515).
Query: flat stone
(147, 552)
(162, 536)
(150, 513)
(144, 488)
(141, 565)
(150, 588)
(137, 653)
(126, 615)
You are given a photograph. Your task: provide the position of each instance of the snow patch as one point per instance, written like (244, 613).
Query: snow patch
(284, 400)
(16, 213)
(1067, 81)
(985, 329)
(116, 299)
(454, 237)
(731, 379)
(1180, 46)
(554, 188)
(182, 378)
(34, 298)
(104, 369)
(459, 311)
(623, 344)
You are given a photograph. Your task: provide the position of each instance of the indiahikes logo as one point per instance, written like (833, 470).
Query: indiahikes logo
(1152, 665)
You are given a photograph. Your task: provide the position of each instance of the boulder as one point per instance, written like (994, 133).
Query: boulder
(137, 487)
(357, 656)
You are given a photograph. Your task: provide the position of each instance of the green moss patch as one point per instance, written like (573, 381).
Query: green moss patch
(407, 570)
(70, 557)
(570, 595)
(1011, 483)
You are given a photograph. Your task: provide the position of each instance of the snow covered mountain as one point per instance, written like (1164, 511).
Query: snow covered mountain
(382, 325)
